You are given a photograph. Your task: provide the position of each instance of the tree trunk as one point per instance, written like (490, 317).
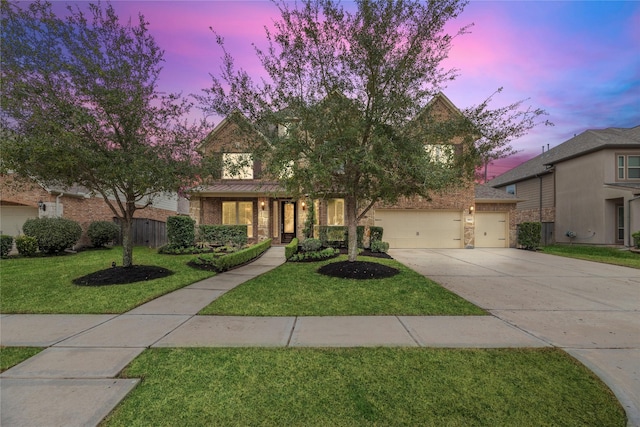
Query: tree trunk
(351, 209)
(127, 242)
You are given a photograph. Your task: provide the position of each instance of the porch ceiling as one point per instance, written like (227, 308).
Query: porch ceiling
(240, 189)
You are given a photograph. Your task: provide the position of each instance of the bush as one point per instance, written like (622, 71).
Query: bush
(6, 243)
(529, 235)
(181, 231)
(310, 245)
(291, 248)
(27, 246)
(53, 234)
(359, 236)
(315, 255)
(220, 235)
(102, 233)
(226, 262)
(378, 246)
(332, 235)
(375, 234)
(636, 238)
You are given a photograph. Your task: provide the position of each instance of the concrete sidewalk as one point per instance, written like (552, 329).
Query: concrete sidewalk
(73, 381)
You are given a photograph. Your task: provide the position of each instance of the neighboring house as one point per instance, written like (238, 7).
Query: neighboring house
(22, 199)
(243, 197)
(588, 186)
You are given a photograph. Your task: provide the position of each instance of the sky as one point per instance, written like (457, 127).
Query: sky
(577, 60)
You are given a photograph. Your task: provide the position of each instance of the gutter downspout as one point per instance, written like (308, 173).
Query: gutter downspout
(629, 220)
(58, 204)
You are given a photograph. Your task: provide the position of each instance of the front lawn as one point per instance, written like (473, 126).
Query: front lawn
(11, 356)
(297, 289)
(43, 284)
(603, 254)
(364, 387)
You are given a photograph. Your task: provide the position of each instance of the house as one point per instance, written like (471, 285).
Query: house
(448, 220)
(21, 199)
(585, 190)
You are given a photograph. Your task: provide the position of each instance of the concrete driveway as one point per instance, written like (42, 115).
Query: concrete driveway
(590, 310)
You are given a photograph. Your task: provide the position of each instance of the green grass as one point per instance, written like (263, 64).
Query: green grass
(596, 253)
(297, 289)
(43, 284)
(364, 387)
(11, 356)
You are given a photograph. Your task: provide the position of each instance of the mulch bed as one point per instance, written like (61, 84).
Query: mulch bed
(367, 252)
(122, 275)
(358, 270)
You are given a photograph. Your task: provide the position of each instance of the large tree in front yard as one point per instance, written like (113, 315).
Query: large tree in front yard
(81, 103)
(350, 89)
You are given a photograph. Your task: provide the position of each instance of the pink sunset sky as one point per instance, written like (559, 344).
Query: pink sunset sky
(578, 60)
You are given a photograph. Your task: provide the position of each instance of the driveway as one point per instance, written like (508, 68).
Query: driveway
(590, 310)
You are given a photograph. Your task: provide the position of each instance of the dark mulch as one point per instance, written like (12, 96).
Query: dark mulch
(367, 252)
(358, 270)
(123, 275)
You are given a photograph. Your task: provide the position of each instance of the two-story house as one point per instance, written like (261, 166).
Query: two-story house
(448, 220)
(585, 190)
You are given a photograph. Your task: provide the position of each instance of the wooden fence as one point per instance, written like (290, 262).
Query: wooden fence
(147, 232)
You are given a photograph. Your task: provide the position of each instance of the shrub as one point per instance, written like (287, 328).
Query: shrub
(310, 245)
(6, 243)
(226, 262)
(27, 246)
(379, 246)
(315, 255)
(291, 248)
(219, 235)
(359, 236)
(375, 234)
(529, 235)
(53, 234)
(636, 238)
(102, 233)
(332, 235)
(181, 231)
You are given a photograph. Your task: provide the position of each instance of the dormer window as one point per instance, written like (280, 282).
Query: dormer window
(237, 166)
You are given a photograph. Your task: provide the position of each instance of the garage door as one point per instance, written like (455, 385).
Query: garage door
(491, 230)
(12, 218)
(420, 229)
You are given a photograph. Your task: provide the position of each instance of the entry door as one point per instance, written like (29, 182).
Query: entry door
(288, 221)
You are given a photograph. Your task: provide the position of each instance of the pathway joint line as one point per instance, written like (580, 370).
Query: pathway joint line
(415, 339)
(293, 328)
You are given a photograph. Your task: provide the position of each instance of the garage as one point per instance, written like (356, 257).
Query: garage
(491, 230)
(404, 228)
(13, 217)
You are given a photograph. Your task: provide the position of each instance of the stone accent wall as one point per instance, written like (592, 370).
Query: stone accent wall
(533, 215)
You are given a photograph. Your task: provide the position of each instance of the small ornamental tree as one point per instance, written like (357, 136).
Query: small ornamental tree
(81, 106)
(349, 89)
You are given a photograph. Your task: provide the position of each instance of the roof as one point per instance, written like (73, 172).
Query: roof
(484, 193)
(240, 188)
(587, 142)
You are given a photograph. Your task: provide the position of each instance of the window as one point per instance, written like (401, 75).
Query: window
(628, 167)
(238, 213)
(620, 222)
(511, 189)
(335, 212)
(441, 153)
(237, 166)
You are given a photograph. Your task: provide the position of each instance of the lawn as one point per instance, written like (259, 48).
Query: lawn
(364, 387)
(11, 356)
(43, 284)
(297, 289)
(602, 254)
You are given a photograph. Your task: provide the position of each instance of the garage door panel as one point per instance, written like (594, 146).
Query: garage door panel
(421, 229)
(13, 217)
(491, 230)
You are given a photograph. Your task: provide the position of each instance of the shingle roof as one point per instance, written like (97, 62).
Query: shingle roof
(486, 194)
(587, 142)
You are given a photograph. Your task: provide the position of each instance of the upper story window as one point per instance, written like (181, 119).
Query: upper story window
(628, 167)
(511, 189)
(237, 166)
(441, 153)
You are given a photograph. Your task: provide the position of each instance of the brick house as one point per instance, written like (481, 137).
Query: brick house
(448, 220)
(21, 199)
(588, 185)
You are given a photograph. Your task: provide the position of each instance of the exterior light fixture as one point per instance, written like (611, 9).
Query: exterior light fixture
(42, 206)
(304, 206)
(471, 209)
(262, 205)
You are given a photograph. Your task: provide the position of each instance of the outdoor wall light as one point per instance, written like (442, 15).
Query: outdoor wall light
(471, 209)
(304, 206)
(42, 206)
(262, 205)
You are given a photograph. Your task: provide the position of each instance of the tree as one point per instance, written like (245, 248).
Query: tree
(80, 105)
(352, 89)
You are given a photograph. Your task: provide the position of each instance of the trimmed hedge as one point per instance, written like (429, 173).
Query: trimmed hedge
(229, 261)
(6, 243)
(102, 233)
(291, 248)
(27, 246)
(379, 246)
(53, 234)
(337, 236)
(322, 255)
(220, 235)
(181, 231)
(529, 235)
(375, 234)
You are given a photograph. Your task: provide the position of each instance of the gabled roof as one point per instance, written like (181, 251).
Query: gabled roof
(587, 142)
(486, 194)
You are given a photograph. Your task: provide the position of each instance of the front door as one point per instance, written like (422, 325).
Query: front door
(288, 221)
(620, 224)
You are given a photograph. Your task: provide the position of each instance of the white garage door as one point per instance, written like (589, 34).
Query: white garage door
(12, 218)
(491, 230)
(420, 229)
